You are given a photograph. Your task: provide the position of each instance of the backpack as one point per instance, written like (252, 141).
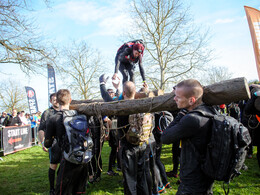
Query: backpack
(131, 43)
(162, 120)
(226, 149)
(140, 128)
(79, 150)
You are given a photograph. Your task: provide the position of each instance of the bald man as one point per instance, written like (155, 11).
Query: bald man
(133, 156)
(193, 130)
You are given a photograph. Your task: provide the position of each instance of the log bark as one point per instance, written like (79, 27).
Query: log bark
(219, 93)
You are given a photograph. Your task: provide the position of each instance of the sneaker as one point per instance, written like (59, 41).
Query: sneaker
(172, 174)
(168, 186)
(161, 189)
(112, 173)
(249, 156)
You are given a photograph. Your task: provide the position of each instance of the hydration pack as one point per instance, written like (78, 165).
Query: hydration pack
(131, 43)
(141, 126)
(80, 142)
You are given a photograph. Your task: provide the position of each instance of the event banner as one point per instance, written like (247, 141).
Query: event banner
(32, 101)
(51, 81)
(16, 138)
(253, 18)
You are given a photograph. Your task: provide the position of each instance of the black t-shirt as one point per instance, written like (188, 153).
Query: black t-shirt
(55, 129)
(45, 116)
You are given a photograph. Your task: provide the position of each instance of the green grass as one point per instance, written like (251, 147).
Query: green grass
(26, 172)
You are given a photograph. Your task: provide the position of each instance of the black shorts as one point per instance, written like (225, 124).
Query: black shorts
(71, 178)
(55, 154)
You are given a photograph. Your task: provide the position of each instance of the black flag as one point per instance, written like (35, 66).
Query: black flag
(32, 101)
(51, 81)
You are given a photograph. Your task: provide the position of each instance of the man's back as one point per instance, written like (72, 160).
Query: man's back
(55, 128)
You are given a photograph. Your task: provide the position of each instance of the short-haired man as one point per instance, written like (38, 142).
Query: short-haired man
(193, 130)
(54, 151)
(133, 157)
(71, 177)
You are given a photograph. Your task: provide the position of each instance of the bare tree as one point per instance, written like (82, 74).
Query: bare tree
(215, 74)
(12, 95)
(174, 44)
(80, 70)
(19, 43)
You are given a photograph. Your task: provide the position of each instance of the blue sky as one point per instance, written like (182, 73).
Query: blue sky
(101, 23)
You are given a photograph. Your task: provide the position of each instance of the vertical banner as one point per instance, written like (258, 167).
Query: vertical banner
(253, 18)
(32, 101)
(16, 138)
(51, 81)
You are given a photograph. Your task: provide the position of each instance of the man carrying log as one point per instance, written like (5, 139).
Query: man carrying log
(193, 129)
(133, 158)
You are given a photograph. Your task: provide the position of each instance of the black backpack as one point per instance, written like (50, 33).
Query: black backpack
(226, 149)
(162, 120)
(79, 146)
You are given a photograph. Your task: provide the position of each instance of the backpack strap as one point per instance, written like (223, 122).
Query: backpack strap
(205, 113)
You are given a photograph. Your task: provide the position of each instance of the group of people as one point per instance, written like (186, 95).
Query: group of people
(143, 171)
(21, 118)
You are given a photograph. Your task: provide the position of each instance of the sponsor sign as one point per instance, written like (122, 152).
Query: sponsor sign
(16, 138)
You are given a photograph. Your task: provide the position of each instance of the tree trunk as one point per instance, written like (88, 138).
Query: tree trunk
(223, 92)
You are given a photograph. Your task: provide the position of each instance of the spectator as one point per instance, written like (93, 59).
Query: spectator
(12, 120)
(34, 121)
(2, 118)
(23, 118)
(28, 118)
(192, 129)
(71, 177)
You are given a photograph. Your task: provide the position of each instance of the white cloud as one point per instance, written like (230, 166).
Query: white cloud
(224, 21)
(81, 11)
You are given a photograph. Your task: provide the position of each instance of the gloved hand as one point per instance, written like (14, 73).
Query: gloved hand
(103, 79)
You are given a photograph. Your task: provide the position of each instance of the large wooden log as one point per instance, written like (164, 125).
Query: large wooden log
(223, 92)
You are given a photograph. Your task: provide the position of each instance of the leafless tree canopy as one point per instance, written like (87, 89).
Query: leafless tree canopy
(216, 74)
(19, 43)
(12, 95)
(80, 70)
(174, 44)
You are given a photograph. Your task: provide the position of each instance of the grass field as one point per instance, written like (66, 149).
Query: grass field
(26, 172)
